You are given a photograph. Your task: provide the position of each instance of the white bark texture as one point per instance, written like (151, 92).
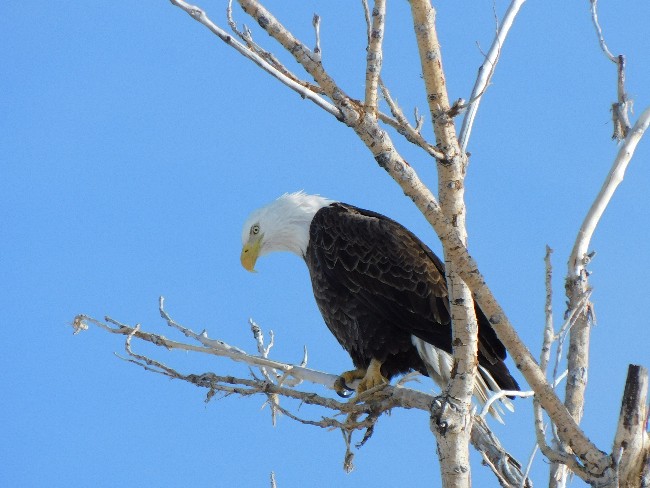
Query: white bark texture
(452, 422)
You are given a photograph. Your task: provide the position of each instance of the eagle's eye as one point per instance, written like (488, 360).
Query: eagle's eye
(255, 229)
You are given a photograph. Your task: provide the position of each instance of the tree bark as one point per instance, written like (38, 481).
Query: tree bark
(452, 422)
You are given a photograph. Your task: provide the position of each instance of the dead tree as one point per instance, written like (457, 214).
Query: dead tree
(453, 421)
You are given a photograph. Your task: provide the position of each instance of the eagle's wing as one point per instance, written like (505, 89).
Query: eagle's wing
(385, 267)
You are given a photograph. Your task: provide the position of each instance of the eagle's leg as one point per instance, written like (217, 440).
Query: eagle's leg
(372, 378)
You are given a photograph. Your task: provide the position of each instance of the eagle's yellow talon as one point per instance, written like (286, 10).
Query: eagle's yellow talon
(347, 378)
(370, 378)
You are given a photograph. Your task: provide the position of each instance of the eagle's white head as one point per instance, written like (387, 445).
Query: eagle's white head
(282, 225)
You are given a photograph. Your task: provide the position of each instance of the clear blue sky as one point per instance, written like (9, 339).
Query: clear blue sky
(133, 146)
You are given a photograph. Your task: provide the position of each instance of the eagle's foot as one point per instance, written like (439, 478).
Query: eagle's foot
(372, 378)
(349, 377)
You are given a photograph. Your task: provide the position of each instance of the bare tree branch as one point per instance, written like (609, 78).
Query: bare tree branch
(367, 16)
(486, 71)
(631, 438)
(362, 411)
(584, 458)
(381, 146)
(577, 286)
(316, 24)
(453, 440)
(599, 31)
(577, 280)
(545, 355)
(402, 125)
(507, 470)
(200, 16)
(578, 258)
(621, 108)
(247, 37)
(549, 331)
(374, 55)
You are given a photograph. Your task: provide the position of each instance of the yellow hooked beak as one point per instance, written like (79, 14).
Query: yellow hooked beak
(250, 252)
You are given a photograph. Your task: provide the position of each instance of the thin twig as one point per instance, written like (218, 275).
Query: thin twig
(402, 125)
(623, 105)
(366, 14)
(561, 336)
(553, 455)
(599, 31)
(200, 16)
(549, 332)
(247, 36)
(529, 464)
(316, 23)
(486, 71)
(271, 375)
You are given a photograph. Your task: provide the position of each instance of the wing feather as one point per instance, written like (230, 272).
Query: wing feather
(394, 277)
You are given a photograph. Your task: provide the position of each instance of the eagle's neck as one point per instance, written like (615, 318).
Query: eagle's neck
(294, 212)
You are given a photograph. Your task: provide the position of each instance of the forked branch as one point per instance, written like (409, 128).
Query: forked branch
(577, 278)
(623, 105)
(386, 155)
(361, 412)
(593, 464)
(200, 16)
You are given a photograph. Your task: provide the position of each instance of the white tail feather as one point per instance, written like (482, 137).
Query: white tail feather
(439, 365)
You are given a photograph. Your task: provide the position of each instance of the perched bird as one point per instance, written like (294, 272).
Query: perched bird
(381, 291)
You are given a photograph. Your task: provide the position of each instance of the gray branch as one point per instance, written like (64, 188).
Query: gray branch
(362, 411)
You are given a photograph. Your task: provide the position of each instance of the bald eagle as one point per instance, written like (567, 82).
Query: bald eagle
(381, 291)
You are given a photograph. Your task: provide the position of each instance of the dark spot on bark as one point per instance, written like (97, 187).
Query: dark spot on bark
(383, 159)
(495, 319)
(263, 22)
